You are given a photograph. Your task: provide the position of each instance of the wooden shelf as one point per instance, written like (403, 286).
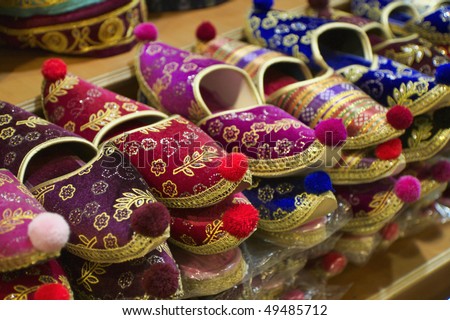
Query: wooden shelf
(416, 267)
(412, 268)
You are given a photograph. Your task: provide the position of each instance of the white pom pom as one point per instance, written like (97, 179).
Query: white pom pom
(48, 232)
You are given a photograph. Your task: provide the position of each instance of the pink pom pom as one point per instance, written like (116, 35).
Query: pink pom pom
(441, 171)
(241, 220)
(205, 31)
(399, 117)
(48, 232)
(150, 219)
(331, 132)
(160, 280)
(146, 31)
(54, 69)
(408, 189)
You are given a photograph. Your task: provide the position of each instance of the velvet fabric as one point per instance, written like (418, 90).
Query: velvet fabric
(199, 229)
(22, 284)
(284, 205)
(25, 9)
(97, 200)
(85, 109)
(373, 205)
(119, 281)
(362, 116)
(99, 30)
(434, 26)
(22, 132)
(17, 209)
(179, 161)
(180, 5)
(263, 133)
(386, 81)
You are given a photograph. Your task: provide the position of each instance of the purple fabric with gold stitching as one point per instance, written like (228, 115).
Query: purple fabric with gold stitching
(254, 131)
(21, 131)
(99, 30)
(98, 200)
(169, 72)
(17, 210)
(364, 198)
(113, 281)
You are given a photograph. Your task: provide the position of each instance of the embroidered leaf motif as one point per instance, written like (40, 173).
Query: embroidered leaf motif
(88, 243)
(21, 292)
(156, 128)
(60, 87)
(195, 112)
(32, 122)
(102, 118)
(213, 231)
(378, 199)
(422, 132)
(138, 198)
(89, 272)
(403, 95)
(196, 161)
(11, 219)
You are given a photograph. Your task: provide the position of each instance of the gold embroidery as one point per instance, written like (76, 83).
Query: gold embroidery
(39, 194)
(230, 134)
(27, 4)
(89, 272)
(110, 241)
(427, 149)
(188, 240)
(111, 30)
(158, 167)
(7, 133)
(70, 126)
(5, 119)
(60, 87)
(196, 161)
(213, 231)
(4, 178)
(170, 188)
(421, 132)
(302, 240)
(402, 96)
(409, 54)
(67, 192)
(136, 198)
(101, 221)
(10, 219)
(102, 118)
(195, 112)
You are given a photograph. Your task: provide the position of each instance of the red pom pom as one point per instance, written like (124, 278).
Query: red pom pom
(331, 132)
(408, 189)
(390, 231)
(441, 171)
(389, 150)
(205, 31)
(146, 31)
(52, 291)
(160, 280)
(318, 4)
(399, 117)
(151, 219)
(234, 166)
(334, 262)
(241, 220)
(293, 295)
(54, 69)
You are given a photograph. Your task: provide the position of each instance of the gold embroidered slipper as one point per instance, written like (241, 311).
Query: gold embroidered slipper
(223, 101)
(184, 167)
(112, 215)
(288, 83)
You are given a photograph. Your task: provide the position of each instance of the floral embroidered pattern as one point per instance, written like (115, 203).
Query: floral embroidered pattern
(110, 241)
(215, 127)
(32, 122)
(130, 107)
(99, 187)
(170, 188)
(250, 139)
(283, 147)
(89, 270)
(196, 161)
(213, 231)
(32, 136)
(7, 133)
(70, 126)
(265, 194)
(67, 192)
(403, 95)
(5, 119)
(264, 151)
(131, 148)
(148, 144)
(10, 219)
(136, 198)
(101, 221)
(16, 140)
(158, 167)
(122, 214)
(125, 280)
(102, 118)
(230, 134)
(59, 88)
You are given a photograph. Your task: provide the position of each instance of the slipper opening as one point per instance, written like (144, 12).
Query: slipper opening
(224, 89)
(56, 161)
(341, 48)
(280, 75)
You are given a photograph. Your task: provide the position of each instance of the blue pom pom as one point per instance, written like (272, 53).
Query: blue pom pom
(263, 5)
(318, 183)
(443, 74)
